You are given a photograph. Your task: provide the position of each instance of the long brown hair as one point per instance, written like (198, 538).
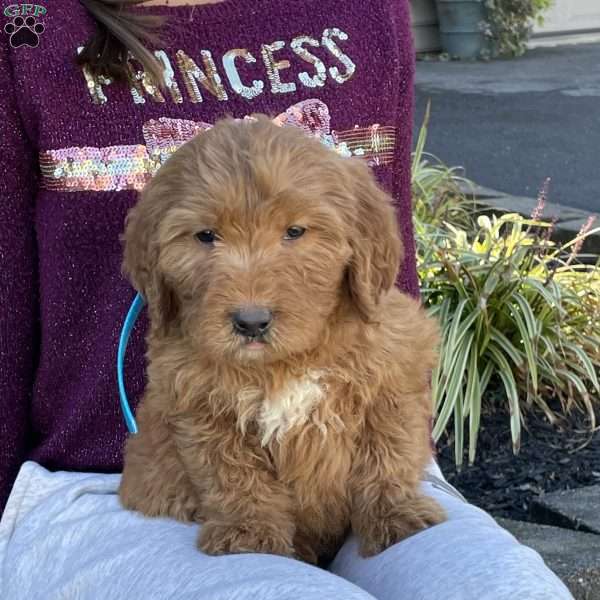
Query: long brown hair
(118, 33)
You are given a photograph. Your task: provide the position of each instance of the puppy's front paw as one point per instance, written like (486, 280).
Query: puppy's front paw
(304, 550)
(389, 525)
(222, 538)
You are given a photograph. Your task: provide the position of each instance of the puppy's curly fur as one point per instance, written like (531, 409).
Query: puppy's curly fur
(278, 444)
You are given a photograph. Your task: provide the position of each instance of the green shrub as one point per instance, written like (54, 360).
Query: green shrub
(509, 23)
(514, 308)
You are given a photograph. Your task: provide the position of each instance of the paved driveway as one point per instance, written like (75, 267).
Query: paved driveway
(512, 123)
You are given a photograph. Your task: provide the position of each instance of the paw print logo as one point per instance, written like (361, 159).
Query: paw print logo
(24, 32)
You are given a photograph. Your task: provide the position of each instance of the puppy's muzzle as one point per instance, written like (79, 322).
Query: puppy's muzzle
(252, 321)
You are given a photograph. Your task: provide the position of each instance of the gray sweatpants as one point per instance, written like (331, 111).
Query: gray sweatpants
(64, 536)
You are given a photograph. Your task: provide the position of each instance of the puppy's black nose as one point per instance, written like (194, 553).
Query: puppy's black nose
(252, 321)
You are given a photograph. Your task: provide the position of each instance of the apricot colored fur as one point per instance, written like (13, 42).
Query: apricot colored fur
(347, 352)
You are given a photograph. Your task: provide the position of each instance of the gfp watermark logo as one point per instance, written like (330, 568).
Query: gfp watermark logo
(25, 26)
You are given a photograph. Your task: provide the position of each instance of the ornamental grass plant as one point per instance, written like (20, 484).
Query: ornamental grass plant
(517, 311)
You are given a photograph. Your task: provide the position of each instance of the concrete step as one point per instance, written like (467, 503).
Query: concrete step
(574, 556)
(574, 509)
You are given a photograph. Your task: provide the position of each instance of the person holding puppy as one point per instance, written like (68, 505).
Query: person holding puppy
(92, 107)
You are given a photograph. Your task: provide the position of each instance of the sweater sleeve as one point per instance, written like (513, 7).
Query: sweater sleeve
(401, 23)
(18, 280)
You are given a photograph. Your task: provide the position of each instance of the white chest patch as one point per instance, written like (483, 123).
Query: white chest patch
(292, 406)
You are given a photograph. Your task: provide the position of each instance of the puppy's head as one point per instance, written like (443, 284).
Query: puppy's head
(250, 237)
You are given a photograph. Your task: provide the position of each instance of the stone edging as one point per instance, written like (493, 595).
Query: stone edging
(569, 220)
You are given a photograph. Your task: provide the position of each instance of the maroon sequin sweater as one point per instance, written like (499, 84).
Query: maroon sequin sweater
(74, 152)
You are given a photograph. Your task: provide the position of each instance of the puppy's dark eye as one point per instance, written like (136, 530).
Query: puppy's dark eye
(207, 236)
(294, 232)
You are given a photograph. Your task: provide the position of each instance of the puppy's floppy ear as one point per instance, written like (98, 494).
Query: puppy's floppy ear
(140, 263)
(375, 240)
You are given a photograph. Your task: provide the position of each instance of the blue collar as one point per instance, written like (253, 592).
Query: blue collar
(136, 307)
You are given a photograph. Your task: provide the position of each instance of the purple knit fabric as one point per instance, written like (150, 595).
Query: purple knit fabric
(63, 298)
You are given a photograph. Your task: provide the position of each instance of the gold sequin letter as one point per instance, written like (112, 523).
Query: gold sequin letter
(169, 76)
(143, 83)
(328, 42)
(313, 81)
(273, 68)
(192, 75)
(248, 92)
(94, 84)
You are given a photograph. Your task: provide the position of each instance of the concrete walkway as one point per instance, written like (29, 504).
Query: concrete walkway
(566, 533)
(512, 123)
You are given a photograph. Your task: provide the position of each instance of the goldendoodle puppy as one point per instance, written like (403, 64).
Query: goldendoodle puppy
(287, 397)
